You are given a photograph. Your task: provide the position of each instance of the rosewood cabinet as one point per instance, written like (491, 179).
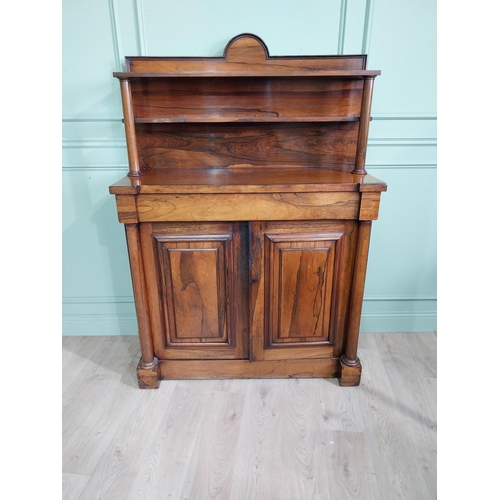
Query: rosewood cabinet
(248, 212)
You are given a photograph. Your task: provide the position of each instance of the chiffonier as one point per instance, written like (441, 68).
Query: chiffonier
(247, 211)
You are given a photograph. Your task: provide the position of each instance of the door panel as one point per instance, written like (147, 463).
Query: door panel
(194, 286)
(197, 279)
(300, 280)
(300, 284)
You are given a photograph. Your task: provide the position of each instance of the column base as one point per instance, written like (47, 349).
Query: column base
(147, 375)
(350, 372)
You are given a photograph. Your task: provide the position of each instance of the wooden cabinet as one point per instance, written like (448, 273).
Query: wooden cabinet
(248, 212)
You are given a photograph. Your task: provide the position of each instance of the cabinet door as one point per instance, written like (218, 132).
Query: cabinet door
(300, 287)
(197, 282)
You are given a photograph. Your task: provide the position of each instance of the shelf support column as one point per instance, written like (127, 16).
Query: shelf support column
(350, 366)
(147, 370)
(128, 119)
(364, 125)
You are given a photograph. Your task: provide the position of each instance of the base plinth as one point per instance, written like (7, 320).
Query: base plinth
(147, 375)
(350, 372)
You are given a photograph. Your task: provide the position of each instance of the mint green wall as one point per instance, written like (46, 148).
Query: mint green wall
(399, 38)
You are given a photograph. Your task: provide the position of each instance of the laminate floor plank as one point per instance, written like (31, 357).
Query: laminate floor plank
(385, 430)
(257, 469)
(415, 398)
(269, 439)
(211, 469)
(73, 485)
(339, 407)
(76, 352)
(344, 453)
(351, 474)
(367, 341)
(164, 466)
(93, 426)
(80, 394)
(301, 435)
(424, 351)
(69, 346)
(115, 473)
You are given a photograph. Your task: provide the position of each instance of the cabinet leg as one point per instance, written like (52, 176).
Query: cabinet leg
(147, 375)
(350, 372)
(350, 367)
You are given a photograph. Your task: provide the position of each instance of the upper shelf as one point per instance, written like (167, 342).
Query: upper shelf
(237, 100)
(262, 118)
(246, 73)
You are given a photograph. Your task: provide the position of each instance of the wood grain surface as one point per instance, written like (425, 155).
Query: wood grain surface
(237, 99)
(272, 439)
(280, 179)
(246, 145)
(321, 303)
(242, 52)
(247, 207)
(196, 282)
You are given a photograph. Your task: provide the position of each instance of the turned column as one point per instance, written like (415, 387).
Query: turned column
(128, 120)
(349, 361)
(364, 125)
(147, 370)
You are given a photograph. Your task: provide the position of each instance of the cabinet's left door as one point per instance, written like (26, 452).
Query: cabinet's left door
(197, 285)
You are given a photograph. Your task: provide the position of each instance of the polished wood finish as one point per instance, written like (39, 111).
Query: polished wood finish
(245, 53)
(127, 209)
(246, 145)
(147, 370)
(164, 100)
(196, 276)
(247, 180)
(370, 202)
(148, 375)
(350, 363)
(210, 369)
(364, 126)
(248, 212)
(358, 286)
(128, 113)
(300, 287)
(138, 283)
(266, 206)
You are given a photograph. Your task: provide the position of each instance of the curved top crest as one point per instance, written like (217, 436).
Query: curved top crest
(246, 47)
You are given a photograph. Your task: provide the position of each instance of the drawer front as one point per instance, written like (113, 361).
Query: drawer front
(244, 207)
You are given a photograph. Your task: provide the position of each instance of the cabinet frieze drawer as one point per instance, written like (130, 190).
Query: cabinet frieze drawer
(234, 207)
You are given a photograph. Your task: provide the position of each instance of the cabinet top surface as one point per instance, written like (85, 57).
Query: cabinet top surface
(246, 180)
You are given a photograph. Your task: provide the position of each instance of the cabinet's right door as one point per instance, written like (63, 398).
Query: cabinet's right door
(300, 276)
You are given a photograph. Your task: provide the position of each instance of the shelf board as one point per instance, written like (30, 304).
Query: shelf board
(257, 119)
(247, 180)
(264, 72)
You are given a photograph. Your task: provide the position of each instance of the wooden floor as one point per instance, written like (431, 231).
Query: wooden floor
(290, 439)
